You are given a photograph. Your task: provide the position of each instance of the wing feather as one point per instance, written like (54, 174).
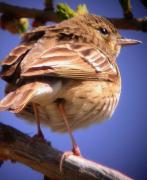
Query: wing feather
(11, 62)
(69, 60)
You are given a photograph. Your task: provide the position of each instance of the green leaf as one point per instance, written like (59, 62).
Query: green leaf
(23, 25)
(81, 9)
(64, 11)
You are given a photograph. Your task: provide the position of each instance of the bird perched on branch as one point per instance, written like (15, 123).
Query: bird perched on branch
(65, 75)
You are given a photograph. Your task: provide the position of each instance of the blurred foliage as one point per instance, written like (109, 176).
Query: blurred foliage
(81, 9)
(13, 24)
(23, 25)
(65, 12)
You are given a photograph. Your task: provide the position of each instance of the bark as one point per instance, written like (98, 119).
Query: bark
(42, 157)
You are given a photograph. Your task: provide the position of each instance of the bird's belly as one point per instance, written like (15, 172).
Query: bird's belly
(85, 104)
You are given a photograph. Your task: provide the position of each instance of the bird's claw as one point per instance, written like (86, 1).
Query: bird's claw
(75, 151)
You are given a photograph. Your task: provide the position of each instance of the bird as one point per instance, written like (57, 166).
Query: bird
(65, 75)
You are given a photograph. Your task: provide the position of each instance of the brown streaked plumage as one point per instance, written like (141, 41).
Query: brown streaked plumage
(67, 71)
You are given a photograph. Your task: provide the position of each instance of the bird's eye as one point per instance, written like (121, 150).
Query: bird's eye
(103, 31)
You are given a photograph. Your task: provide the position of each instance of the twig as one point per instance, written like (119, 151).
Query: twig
(17, 146)
(139, 24)
(27, 12)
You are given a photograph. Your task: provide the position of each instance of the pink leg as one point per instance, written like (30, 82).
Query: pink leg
(75, 149)
(39, 132)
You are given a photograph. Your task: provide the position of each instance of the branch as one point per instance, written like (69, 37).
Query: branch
(27, 12)
(139, 24)
(17, 146)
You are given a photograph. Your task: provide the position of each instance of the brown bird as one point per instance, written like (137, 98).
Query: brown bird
(65, 75)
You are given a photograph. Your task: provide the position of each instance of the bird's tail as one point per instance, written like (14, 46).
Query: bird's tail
(17, 99)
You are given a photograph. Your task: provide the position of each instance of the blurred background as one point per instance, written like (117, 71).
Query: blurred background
(120, 142)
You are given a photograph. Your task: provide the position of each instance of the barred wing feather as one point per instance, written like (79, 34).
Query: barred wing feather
(69, 60)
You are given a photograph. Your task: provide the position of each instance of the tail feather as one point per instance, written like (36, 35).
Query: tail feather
(16, 100)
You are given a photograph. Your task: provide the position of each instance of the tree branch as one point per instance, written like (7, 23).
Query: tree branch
(139, 24)
(17, 146)
(27, 12)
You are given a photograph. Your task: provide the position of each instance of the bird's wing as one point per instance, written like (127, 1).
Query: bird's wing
(10, 65)
(69, 60)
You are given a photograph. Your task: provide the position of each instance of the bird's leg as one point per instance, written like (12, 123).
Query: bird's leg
(75, 149)
(36, 113)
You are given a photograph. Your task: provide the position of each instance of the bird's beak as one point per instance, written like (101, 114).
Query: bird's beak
(125, 42)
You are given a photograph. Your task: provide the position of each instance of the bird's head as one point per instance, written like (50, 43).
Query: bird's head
(102, 32)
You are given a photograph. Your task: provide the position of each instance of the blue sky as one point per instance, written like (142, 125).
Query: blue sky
(120, 142)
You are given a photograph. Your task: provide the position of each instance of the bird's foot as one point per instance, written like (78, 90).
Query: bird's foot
(40, 137)
(75, 151)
